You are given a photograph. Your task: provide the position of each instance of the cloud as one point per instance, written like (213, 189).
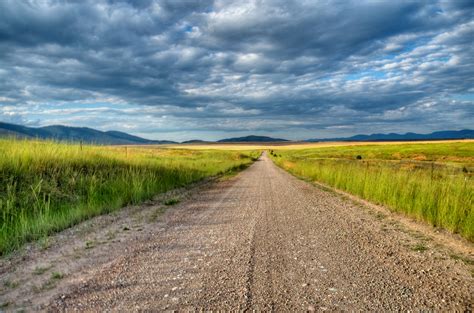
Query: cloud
(295, 69)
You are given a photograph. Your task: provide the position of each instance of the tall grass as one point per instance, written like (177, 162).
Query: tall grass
(46, 187)
(433, 185)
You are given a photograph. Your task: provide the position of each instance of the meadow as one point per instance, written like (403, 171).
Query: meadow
(46, 186)
(431, 182)
(299, 145)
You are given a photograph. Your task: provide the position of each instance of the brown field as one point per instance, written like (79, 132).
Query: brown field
(293, 145)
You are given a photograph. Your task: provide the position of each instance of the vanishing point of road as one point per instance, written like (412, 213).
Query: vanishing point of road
(265, 240)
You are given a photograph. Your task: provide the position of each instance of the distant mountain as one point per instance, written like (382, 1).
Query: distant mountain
(448, 134)
(196, 141)
(66, 133)
(252, 139)
(89, 135)
(125, 136)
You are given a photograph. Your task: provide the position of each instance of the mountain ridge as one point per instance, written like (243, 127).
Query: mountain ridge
(68, 133)
(112, 137)
(252, 138)
(410, 136)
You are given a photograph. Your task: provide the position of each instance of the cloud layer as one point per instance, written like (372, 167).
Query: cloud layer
(181, 69)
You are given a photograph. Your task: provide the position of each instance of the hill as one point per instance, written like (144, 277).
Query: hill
(195, 141)
(252, 139)
(66, 133)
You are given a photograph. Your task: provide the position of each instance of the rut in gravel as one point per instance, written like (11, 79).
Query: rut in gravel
(265, 240)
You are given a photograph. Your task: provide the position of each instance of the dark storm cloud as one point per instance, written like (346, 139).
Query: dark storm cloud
(227, 66)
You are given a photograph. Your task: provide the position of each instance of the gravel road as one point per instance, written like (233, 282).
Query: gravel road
(265, 240)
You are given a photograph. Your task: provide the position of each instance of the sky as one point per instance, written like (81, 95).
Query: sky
(199, 69)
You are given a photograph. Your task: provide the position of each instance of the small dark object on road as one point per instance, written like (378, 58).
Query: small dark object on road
(359, 157)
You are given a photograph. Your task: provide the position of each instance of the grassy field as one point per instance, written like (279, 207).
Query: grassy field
(292, 145)
(46, 187)
(432, 182)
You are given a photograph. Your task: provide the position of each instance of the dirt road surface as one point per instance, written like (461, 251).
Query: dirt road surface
(265, 240)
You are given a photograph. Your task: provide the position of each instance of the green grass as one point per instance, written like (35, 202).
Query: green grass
(51, 282)
(430, 182)
(39, 270)
(419, 247)
(57, 275)
(172, 201)
(46, 187)
(451, 152)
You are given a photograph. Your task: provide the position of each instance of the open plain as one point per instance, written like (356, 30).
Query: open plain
(262, 240)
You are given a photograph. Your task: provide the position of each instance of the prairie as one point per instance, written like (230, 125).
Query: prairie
(46, 186)
(298, 145)
(429, 182)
